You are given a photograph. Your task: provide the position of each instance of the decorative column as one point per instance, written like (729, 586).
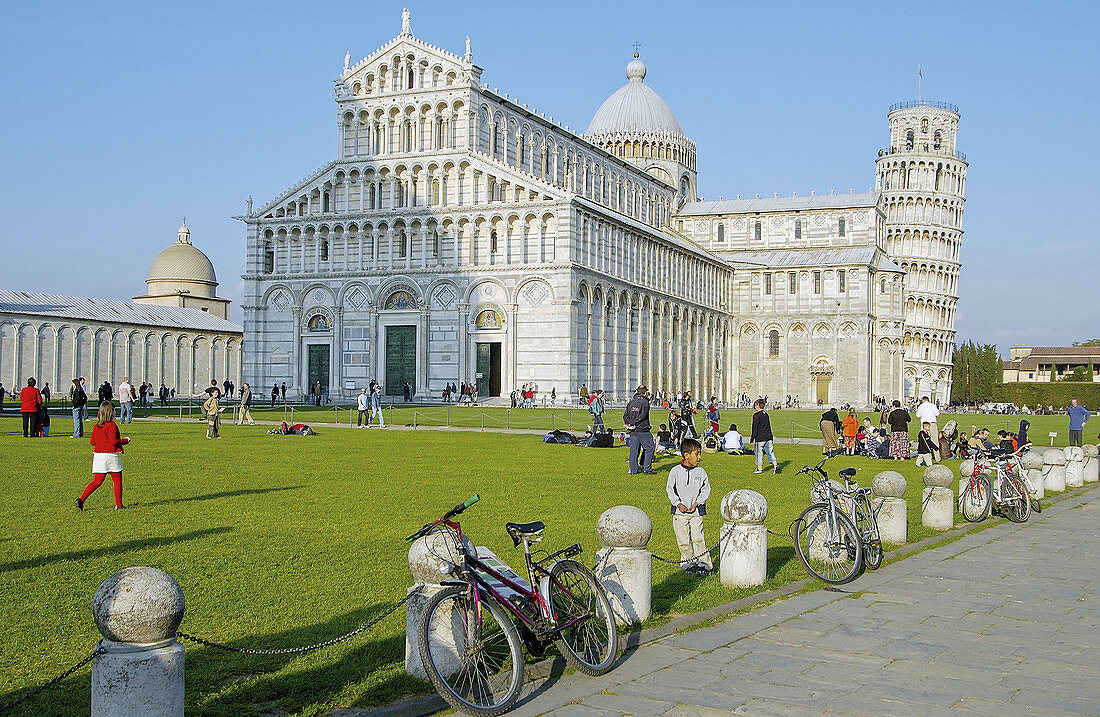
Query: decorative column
(337, 387)
(422, 352)
(463, 340)
(513, 340)
(296, 347)
(625, 566)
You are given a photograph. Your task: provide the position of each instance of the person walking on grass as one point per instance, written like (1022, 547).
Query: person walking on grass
(244, 412)
(80, 400)
(1078, 417)
(899, 432)
(925, 447)
(376, 406)
(46, 393)
(596, 408)
(688, 489)
(211, 409)
(830, 426)
(29, 401)
(274, 394)
(106, 455)
(125, 401)
(639, 438)
(761, 438)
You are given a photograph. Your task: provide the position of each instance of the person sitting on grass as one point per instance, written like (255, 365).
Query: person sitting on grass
(925, 447)
(688, 489)
(962, 448)
(733, 443)
(1005, 442)
(664, 439)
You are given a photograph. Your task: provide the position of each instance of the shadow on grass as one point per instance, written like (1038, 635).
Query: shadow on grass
(76, 555)
(779, 557)
(222, 494)
(225, 683)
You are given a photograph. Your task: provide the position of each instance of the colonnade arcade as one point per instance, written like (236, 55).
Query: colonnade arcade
(57, 352)
(626, 339)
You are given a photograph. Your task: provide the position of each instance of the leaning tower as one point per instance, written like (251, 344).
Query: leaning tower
(922, 177)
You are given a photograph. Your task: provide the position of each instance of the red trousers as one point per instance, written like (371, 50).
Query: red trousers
(98, 480)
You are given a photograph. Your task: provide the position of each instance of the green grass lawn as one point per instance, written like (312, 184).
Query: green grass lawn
(284, 541)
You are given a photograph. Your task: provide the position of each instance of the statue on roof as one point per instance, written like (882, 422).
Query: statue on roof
(249, 205)
(347, 61)
(469, 52)
(406, 21)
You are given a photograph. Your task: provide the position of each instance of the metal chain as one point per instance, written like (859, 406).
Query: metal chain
(307, 648)
(42, 688)
(693, 558)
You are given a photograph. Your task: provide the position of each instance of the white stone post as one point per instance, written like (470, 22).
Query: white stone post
(889, 489)
(1075, 467)
(744, 539)
(937, 501)
(625, 565)
(1090, 471)
(425, 556)
(1054, 470)
(140, 671)
(1032, 465)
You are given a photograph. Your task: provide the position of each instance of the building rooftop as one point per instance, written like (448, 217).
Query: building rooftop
(781, 204)
(797, 258)
(81, 308)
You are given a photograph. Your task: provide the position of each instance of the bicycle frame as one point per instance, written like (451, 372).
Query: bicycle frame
(474, 570)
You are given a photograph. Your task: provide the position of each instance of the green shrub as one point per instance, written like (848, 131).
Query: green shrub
(1056, 394)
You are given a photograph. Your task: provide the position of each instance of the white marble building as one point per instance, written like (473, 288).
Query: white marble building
(461, 235)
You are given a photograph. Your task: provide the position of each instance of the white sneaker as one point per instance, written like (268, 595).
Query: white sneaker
(758, 470)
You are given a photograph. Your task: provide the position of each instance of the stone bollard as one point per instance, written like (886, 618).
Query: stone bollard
(1075, 467)
(1090, 471)
(425, 555)
(889, 488)
(625, 566)
(1032, 465)
(140, 671)
(744, 539)
(1054, 470)
(937, 500)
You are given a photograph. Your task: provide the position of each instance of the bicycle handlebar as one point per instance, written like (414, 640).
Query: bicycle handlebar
(818, 467)
(457, 510)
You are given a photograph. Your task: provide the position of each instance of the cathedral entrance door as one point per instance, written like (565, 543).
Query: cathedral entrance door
(400, 358)
(318, 365)
(488, 369)
(823, 381)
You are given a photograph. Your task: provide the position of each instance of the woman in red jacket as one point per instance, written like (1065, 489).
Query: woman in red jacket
(106, 446)
(29, 401)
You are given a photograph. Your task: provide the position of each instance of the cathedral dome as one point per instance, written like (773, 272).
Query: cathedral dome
(634, 108)
(182, 262)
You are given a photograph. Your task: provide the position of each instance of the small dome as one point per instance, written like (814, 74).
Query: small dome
(182, 262)
(634, 107)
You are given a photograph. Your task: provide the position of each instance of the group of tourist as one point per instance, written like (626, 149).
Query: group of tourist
(369, 405)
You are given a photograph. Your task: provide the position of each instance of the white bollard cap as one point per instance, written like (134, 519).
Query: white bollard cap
(1090, 450)
(138, 605)
(744, 506)
(1074, 453)
(966, 468)
(624, 526)
(938, 476)
(427, 552)
(1054, 457)
(1033, 460)
(889, 484)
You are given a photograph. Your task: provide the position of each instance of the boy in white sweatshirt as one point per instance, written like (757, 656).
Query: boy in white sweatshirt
(688, 489)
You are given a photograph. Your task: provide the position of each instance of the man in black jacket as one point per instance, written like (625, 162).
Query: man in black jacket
(639, 438)
(80, 399)
(761, 438)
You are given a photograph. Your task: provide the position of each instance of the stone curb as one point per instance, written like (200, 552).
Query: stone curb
(429, 705)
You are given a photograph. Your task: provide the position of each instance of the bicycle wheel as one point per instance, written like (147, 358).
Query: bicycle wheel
(828, 545)
(868, 530)
(974, 503)
(591, 644)
(477, 668)
(1018, 506)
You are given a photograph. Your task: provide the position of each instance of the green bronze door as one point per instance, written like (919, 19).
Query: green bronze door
(400, 358)
(318, 366)
(488, 369)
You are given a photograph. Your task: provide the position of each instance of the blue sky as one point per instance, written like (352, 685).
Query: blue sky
(119, 119)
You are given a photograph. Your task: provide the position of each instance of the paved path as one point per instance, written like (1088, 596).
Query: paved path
(1002, 622)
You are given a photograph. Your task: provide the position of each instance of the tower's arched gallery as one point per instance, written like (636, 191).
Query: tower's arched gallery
(462, 236)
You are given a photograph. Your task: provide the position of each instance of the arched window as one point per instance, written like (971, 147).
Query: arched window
(758, 231)
(721, 233)
(841, 227)
(797, 228)
(841, 281)
(767, 284)
(269, 259)
(325, 209)
(792, 282)
(324, 250)
(435, 243)
(773, 344)
(817, 282)
(909, 139)
(882, 286)
(403, 244)
(411, 77)
(493, 242)
(937, 139)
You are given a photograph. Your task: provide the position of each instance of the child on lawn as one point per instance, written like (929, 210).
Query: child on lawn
(925, 447)
(688, 489)
(106, 448)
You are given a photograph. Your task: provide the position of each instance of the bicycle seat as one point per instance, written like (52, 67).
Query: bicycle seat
(528, 531)
(847, 473)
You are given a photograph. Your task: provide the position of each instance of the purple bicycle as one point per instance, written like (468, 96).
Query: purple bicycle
(468, 637)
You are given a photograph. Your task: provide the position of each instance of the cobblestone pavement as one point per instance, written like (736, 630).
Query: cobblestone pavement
(1002, 622)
